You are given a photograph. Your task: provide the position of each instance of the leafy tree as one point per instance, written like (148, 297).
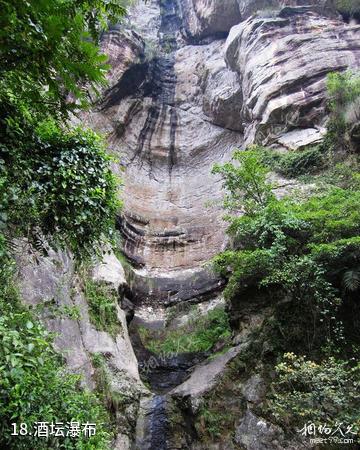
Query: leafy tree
(34, 384)
(53, 180)
(291, 249)
(58, 181)
(245, 181)
(62, 184)
(50, 60)
(322, 393)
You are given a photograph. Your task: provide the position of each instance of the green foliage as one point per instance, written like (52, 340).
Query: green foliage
(348, 8)
(343, 88)
(344, 93)
(322, 393)
(292, 163)
(34, 385)
(302, 257)
(332, 215)
(351, 280)
(53, 181)
(245, 180)
(102, 302)
(223, 405)
(343, 174)
(63, 187)
(213, 422)
(303, 251)
(200, 334)
(113, 400)
(49, 54)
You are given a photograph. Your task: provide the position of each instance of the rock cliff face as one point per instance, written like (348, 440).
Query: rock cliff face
(49, 285)
(282, 62)
(190, 81)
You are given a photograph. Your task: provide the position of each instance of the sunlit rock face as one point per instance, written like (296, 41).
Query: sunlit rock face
(282, 61)
(191, 81)
(250, 7)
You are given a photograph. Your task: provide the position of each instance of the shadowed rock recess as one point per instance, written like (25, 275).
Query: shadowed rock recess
(191, 80)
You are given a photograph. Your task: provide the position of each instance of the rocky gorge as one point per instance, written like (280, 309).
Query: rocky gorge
(190, 81)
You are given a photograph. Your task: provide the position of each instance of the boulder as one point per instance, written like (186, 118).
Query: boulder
(254, 389)
(300, 138)
(109, 271)
(205, 376)
(223, 99)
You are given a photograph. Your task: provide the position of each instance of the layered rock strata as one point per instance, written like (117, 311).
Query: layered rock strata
(181, 98)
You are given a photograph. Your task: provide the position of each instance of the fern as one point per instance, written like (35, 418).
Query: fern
(351, 280)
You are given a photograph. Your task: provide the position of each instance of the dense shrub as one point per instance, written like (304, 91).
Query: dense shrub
(102, 302)
(199, 335)
(325, 393)
(48, 51)
(279, 248)
(56, 180)
(53, 181)
(63, 186)
(293, 163)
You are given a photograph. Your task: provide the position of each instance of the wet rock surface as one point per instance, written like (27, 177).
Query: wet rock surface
(152, 428)
(168, 145)
(163, 371)
(174, 287)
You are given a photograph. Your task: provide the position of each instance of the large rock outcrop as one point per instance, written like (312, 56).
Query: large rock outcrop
(213, 19)
(171, 222)
(282, 62)
(50, 286)
(251, 7)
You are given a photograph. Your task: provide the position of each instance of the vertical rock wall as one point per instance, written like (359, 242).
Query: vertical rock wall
(184, 93)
